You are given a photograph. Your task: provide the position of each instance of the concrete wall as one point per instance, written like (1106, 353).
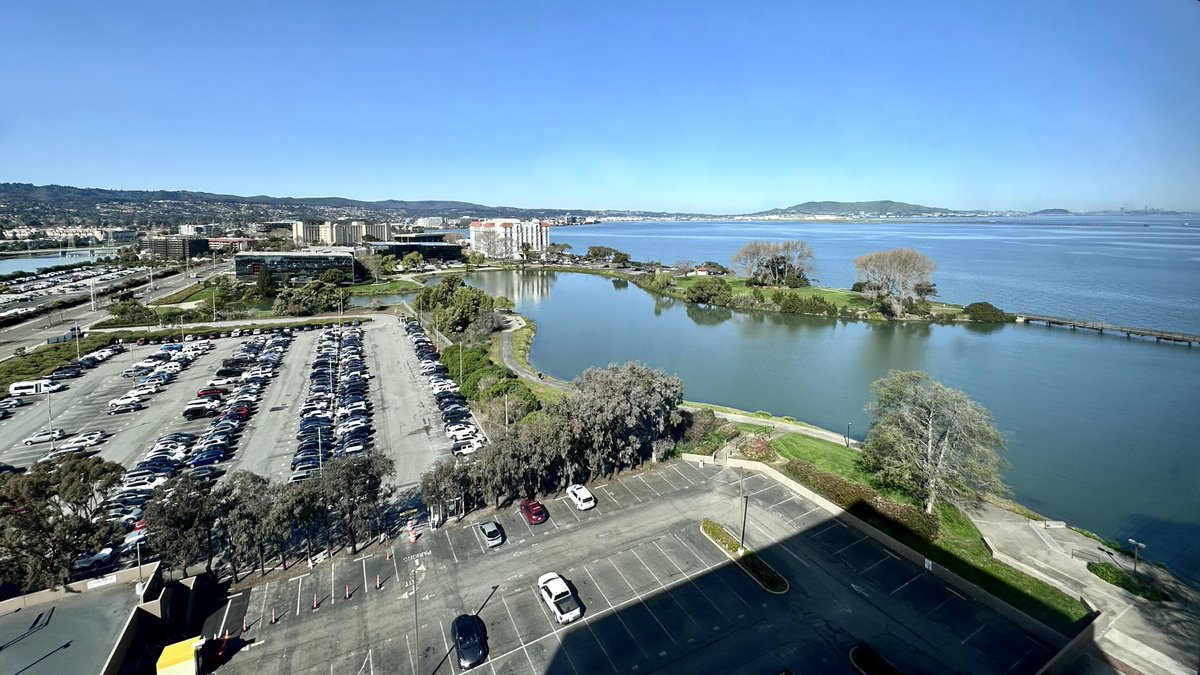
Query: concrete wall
(149, 571)
(1043, 632)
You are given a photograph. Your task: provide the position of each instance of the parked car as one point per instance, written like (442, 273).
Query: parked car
(492, 534)
(533, 511)
(125, 408)
(98, 559)
(581, 497)
(470, 640)
(559, 598)
(44, 436)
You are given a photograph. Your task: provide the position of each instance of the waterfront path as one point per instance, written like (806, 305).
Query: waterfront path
(1134, 635)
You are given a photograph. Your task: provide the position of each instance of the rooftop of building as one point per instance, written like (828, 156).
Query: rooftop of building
(74, 633)
(293, 254)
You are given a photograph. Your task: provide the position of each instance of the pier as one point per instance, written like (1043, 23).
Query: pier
(1158, 335)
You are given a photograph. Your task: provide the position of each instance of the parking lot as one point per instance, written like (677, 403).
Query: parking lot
(657, 595)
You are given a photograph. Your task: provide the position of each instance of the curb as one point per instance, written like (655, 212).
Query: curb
(735, 561)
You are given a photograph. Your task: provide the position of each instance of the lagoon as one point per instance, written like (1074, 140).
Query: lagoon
(1101, 428)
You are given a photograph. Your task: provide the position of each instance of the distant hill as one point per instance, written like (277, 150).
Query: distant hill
(855, 209)
(1052, 212)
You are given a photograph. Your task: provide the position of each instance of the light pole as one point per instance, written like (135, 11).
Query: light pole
(848, 434)
(1137, 546)
(50, 419)
(77, 342)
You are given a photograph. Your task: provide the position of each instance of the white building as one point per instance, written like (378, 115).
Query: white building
(378, 231)
(502, 238)
(430, 221)
(305, 233)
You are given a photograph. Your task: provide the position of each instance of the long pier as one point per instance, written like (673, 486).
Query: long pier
(1158, 335)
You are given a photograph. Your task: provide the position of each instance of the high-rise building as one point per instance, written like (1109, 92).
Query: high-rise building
(502, 238)
(305, 233)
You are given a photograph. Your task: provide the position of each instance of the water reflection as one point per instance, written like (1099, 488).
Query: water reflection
(705, 315)
(620, 284)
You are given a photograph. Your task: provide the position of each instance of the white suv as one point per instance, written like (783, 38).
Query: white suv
(581, 497)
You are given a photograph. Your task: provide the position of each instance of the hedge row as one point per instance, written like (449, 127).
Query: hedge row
(864, 502)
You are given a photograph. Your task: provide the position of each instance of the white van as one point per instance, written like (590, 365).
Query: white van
(29, 388)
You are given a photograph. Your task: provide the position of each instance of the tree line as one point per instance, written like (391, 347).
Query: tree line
(616, 417)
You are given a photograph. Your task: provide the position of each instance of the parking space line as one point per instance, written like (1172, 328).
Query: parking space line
(762, 489)
(262, 613)
(618, 614)
(664, 587)
(519, 638)
(446, 645)
(640, 599)
(364, 564)
(878, 563)
(803, 514)
(448, 541)
(939, 606)
(479, 539)
(690, 580)
(689, 480)
(849, 545)
(783, 546)
(781, 501)
(228, 604)
(522, 519)
(610, 495)
(332, 578)
(663, 476)
(960, 595)
(648, 485)
(973, 634)
(408, 648)
(1019, 660)
(563, 499)
(631, 494)
(901, 586)
(827, 527)
(395, 568)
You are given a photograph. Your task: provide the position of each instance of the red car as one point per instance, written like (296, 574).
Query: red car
(212, 391)
(533, 511)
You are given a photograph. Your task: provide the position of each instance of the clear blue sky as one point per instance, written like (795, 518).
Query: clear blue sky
(678, 106)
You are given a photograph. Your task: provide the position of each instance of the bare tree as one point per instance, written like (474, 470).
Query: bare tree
(932, 441)
(899, 274)
(784, 263)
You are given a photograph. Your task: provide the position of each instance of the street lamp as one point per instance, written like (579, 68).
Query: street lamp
(1137, 546)
(848, 434)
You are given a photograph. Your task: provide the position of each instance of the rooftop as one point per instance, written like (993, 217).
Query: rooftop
(73, 634)
(293, 254)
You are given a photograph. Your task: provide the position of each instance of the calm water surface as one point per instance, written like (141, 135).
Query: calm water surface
(1130, 271)
(1101, 429)
(33, 262)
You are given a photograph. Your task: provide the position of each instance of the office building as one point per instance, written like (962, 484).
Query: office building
(291, 267)
(175, 248)
(502, 238)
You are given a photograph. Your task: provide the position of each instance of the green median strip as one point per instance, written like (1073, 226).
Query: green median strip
(758, 570)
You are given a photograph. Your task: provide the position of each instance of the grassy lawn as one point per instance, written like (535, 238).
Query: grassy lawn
(1125, 579)
(825, 455)
(182, 295)
(385, 287)
(839, 297)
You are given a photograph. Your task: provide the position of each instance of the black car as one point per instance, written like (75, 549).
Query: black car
(197, 413)
(179, 437)
(9, 468)
(125, 408)
(470, 640)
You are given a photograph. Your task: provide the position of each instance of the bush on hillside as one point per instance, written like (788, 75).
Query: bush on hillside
(984, 312)
(864, 502)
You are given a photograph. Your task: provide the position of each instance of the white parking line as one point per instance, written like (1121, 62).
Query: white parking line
(648, 485)
(519, 638)
(228, 604)
(781, 501)
(452, 547)
(849, 545)
(803, 514)
(783, 546)
(446, 645)
(831, 525)
(663, 476)
(664, 587)
(622, 484)
(262, 613)
(618, 614)
(690, 580)
(689, 480)
(332, 576)
(570, 507)
(1019, 660)
(408, 648)
(880, 562)
(610, 495)
(479, 539)
(901, 586)
(710, 567)
(639, 597)
(973, 634)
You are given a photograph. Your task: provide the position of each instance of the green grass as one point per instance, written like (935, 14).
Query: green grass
(183, 295)
(749, 428)
(1092, 535)
(762, 572)
(1123, 578)
(825, 455)
(390, 287)
(838, 297)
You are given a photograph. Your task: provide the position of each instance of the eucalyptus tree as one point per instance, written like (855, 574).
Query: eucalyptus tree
(932, 441)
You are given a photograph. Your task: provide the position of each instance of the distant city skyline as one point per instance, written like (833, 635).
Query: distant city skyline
(675, 107)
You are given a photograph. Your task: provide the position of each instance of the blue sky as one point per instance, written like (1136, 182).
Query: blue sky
(677, 106)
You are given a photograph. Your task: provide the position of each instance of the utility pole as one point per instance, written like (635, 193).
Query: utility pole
(1137, 546)
(50, 419)
(745, 504)
(848, 434)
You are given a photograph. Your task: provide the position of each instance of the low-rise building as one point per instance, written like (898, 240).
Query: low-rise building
(175, 248)
(288, 267)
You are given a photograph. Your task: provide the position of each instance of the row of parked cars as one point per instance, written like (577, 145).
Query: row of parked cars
(456, 415)
(335, 419)
(154, 373)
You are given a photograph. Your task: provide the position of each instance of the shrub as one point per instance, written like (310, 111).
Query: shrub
(1125, 579)
(984, 312)
(864, 502)
(794, 303)
(758, 450)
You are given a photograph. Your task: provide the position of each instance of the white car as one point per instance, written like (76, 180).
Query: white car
(463, 434)
(581, 497)
(222, 381)
(122, 400)
(44, 436)
(144, 390)
(85, 439)
(559, 598)
(101, 557)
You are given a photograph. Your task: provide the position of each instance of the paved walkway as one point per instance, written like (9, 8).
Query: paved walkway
(1149, 637)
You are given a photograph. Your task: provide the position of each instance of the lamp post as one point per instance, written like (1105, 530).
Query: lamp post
(848, 434)
(50, 419)
(1137, 546)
